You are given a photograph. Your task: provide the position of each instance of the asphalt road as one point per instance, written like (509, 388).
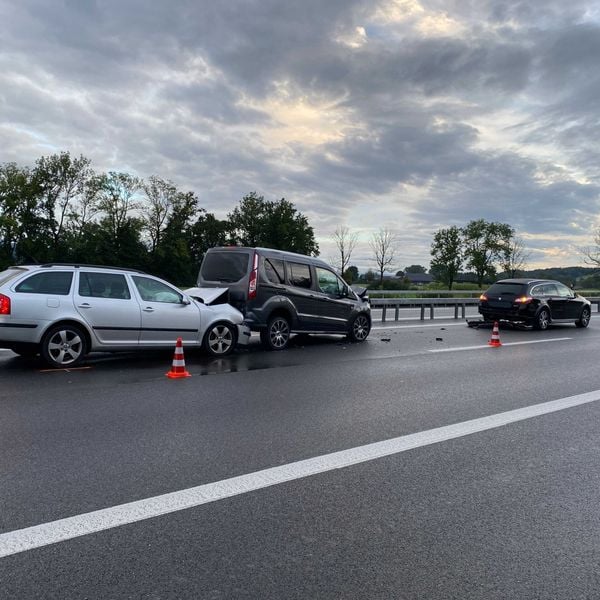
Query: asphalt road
(508, 511)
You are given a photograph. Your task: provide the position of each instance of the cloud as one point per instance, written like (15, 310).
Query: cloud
(415, 113)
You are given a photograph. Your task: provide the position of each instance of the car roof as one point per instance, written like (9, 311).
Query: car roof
(526, 281)
(274, 252)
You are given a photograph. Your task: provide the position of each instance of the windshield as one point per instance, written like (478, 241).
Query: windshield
(227, 267)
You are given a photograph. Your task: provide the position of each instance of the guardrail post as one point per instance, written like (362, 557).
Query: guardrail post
(456, 311)
(383, 314)
(423, 311)
(464, 308)
(431, 311)
(396, 313)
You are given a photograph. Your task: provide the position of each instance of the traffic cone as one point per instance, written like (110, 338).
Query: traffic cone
(178, 367)
(495, 339)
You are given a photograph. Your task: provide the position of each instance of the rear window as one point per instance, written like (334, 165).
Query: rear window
(53, 283)
(10, 274)
(506, 289)
(227, 267)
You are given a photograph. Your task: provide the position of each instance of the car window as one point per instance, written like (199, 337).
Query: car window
(564, 291)
(537, 291)
(328, 282)
(299, 275)
(550, 289)
(55, 283)
(506, 289)
(103, 285)
(225, 266)
(274, 270)
(152, 290)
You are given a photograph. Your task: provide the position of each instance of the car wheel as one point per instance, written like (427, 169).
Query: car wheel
(542, 320)
(584, 318)
(359, 328)
(277, 334)
(26, 350)
(64, 346)
(220, 339)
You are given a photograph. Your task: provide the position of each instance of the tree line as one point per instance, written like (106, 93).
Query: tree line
(61, 210)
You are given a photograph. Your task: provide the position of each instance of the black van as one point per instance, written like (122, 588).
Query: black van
(281, 293)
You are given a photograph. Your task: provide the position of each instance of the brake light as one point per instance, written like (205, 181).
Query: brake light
(253, 278)
(4, 305)
(483, 298)
(523, 300)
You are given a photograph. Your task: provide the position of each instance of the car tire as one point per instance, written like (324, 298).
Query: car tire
(277, 334)
(220, 339)
(542, 320)
(584, 318)
(26, 350)
(64, 346)
(359, 329)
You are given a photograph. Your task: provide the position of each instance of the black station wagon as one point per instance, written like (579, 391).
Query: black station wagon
(536, 302)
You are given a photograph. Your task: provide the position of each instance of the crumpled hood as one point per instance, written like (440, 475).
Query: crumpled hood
(207, 295)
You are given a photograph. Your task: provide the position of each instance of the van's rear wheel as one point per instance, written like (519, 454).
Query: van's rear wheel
(277, 334)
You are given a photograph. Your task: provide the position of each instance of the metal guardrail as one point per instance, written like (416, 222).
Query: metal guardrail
(429, 305)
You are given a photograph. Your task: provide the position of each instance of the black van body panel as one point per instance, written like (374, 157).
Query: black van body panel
(286, 284)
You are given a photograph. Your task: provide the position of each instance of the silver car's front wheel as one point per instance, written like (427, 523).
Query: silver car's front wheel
(64, 346)
(220, 339)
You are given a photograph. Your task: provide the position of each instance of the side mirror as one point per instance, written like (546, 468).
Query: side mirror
(185, 300)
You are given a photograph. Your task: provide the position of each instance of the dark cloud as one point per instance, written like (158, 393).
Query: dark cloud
(493, 114)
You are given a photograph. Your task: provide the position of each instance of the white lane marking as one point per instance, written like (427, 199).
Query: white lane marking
(461, 348)
(417, 326)
(37, 536)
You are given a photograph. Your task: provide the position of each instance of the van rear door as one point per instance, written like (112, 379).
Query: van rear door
(230, 268)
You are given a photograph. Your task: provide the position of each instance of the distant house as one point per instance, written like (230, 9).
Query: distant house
(419, 278)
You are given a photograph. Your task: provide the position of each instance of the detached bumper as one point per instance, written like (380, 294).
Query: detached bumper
(243, 335)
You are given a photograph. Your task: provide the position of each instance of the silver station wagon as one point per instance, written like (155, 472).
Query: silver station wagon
(65, 311)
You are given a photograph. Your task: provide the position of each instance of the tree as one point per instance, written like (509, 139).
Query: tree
(247, 221)
(415, 269)
(61, 180)
(256, 222)
(161, 197)
(591, 254)
(23, 224)
(345, 243)
(446, 255)
(483, 243)
(513, 257)
(383, 244)
(118, 236)
(351, 274)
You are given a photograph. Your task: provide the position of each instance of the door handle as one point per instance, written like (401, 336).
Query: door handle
(84, 305)
(148, 309)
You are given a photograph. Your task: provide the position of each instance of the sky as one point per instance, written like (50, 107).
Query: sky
(414, 115)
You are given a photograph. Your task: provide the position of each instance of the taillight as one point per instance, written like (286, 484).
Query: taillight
(483, 298)
(253, 278)
(4, 305)
(523, 300)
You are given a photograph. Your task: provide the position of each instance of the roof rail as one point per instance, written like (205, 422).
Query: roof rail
(79, 265)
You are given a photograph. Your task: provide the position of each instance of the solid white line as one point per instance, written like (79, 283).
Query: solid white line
(418, 326)
(461, 348)
(37, 536)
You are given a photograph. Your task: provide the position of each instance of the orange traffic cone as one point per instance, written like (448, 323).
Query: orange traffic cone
(495, 339)
(178, 367)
